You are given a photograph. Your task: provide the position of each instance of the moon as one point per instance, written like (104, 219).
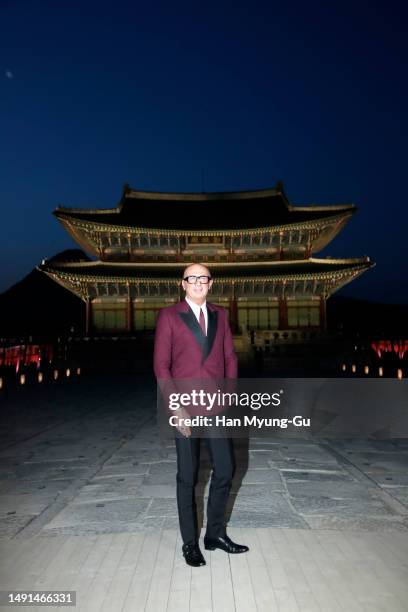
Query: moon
(9, 74)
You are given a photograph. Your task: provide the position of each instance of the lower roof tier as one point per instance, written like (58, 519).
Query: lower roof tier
(89, 280)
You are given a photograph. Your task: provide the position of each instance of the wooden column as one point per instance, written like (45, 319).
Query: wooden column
(323, 318)
(233, 315)
(129, 315)
(283, 313)
(88, 318)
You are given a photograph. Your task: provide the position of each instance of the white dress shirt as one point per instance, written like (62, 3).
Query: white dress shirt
(196, 309)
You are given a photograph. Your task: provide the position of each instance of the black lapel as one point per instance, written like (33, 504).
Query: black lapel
(190, 320)
(205, 342)
(211, 331)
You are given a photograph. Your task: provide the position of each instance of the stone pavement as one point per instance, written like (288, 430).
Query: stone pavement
(85, 459)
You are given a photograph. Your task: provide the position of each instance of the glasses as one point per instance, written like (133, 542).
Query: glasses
(204, 280)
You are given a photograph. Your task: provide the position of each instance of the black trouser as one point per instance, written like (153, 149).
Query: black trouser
(188, 460)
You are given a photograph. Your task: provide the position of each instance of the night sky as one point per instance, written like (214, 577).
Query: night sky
(170, 96)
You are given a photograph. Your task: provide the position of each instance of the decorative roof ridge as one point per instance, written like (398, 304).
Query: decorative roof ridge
(227, 265)
(346, 260)
(85, 211)
(322, 207)
(130, 193)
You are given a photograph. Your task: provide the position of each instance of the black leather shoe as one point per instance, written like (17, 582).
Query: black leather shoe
(224, 543)
(192, 555)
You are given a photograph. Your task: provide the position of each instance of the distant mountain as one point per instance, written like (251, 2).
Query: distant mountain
(365, 317)
(37, 305)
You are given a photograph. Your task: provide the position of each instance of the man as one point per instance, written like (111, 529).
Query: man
(193, 341)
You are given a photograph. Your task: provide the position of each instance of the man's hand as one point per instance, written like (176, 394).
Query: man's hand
(185, 430)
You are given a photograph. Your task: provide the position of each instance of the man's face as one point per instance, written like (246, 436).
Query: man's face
(196, 292)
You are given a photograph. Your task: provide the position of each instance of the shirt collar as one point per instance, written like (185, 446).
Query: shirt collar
(195, 307)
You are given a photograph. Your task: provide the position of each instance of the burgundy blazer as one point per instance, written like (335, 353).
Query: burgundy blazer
(181, 350)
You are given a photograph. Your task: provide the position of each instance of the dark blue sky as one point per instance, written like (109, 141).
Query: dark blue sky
(96, 94)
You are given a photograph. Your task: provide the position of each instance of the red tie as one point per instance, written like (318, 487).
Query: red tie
(202, 321)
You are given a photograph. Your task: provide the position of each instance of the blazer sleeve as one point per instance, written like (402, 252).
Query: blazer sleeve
(162, 347)
(230, 357)
(162, 359)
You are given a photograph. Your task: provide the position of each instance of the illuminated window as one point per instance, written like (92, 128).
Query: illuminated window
(258, 315)
(303, 314)
(109, 317)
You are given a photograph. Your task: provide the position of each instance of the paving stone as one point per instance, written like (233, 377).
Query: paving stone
(123, 469)
(144, 456)
(20, 505)
(256, 460)
(160, 479)
(261, 443)
(118, 512)
(49, 471)
(160, 490)
(373, 524)
(73, 455)
(394, 454)
(389, 462)
(10, 472)
(303, 466)
(163, 467)
(244, 488)
(163, 507)
(364, 445)
(389, 478)
(353, 507)
(171, 522)
(386, 445)
(265, 453)
(260, 476)
(25, 487)
(148, 524)
(290, 475)
(315, 461)
(399, 493)
(109, 489)
(74, 466)
(345, 490)
(271, 501)
(401, 444)
(9, 463)
(170, 455)
(12, 524)
(140, 444)
(243, 518)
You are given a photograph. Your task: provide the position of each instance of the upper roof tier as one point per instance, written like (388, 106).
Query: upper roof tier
(204, 211)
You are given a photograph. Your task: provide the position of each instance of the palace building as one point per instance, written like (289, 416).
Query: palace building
(260, 248)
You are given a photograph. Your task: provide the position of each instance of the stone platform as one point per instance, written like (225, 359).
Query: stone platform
(88, 502)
